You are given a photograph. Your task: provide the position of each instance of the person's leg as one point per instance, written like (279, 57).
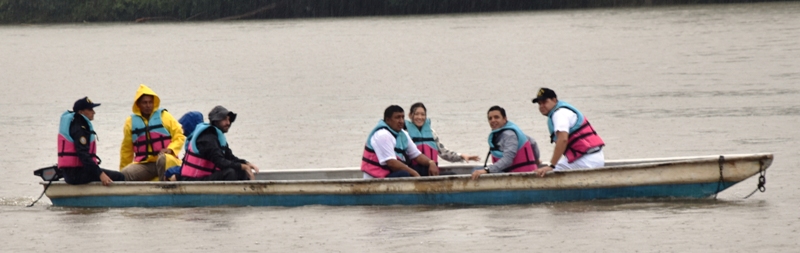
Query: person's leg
(223, 175)
(594, 160)
(140, 172)
(77, 176)
(114, 175)
(241, 174)
(173, 173)
(399, 173)
(422, 170)
(161, 167)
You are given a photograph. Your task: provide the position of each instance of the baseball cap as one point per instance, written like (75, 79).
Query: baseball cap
(83, 103)
(544, 93)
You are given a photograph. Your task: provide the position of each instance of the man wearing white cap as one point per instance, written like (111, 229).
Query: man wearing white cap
(577, 144)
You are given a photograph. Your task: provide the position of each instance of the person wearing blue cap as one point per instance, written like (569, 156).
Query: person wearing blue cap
(77, 148)
(189, 122)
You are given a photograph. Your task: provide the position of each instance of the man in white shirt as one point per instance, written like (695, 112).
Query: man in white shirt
(389, 150)
(577, 144)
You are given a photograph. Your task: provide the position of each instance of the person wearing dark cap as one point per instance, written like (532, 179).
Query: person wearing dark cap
(578, 146)
(208, 157)
(77, 148)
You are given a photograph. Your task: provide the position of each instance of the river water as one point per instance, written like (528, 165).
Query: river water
(655, 82)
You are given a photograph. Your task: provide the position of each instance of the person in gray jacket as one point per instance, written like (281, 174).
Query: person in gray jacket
(511, 150)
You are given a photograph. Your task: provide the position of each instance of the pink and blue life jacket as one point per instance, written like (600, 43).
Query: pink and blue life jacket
(423, 138)
(525, 161)
(67, 154)
(194, 165)
(150, 139)
(582, 137)
(369, 161)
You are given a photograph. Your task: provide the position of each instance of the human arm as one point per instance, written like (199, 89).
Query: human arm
(535, 148)
(175, 131)
(561, 146)
(449, 155)
(209, 147)
(396, 165)
(126, 147)
(444, 153)
(413, 153)
(383, 143)
(81, 137)
(508, 145)
(563, 119)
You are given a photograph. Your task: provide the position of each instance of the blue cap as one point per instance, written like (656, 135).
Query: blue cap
(190, 120)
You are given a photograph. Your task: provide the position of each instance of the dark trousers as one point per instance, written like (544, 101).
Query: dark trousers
(423, 171)
(84, 176)
(399, 173)
(228, 174)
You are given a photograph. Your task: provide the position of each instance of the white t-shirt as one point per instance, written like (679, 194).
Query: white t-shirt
(563, 120)
(383, 143)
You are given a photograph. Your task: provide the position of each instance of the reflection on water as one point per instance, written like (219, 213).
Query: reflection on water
(659, 205)
(758, 112)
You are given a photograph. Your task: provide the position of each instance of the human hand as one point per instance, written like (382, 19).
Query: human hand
(543, 170)
(167, 151)
(433, 170)
(249, 170)
(255, 169)
(477, 174)
(413, 173)
(470, 157)
(105, 179)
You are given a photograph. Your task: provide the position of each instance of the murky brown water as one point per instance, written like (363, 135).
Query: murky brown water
(656, 82)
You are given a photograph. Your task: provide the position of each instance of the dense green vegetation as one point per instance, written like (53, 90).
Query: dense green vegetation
(50, 11)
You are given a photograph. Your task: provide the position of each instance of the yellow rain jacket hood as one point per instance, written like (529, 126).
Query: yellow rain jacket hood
(169, 123)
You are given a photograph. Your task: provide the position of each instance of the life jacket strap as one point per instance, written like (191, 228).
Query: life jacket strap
(421, 139)
(513, 167)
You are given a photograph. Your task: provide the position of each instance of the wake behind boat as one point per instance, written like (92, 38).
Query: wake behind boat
(675, 177)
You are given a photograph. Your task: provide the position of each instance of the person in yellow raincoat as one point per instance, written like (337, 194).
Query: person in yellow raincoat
(152, 139)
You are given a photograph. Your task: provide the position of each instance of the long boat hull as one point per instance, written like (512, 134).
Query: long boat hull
(681, 177)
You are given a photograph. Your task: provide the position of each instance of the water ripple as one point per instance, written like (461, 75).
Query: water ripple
(765, 111)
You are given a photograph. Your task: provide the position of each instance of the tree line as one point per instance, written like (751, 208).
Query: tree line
(60, 11)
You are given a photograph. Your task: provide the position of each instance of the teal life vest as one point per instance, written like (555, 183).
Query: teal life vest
(423, 138)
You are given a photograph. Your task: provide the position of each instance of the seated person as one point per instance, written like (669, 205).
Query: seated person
(152, 139)
(389, 150)
(578, 146)
(419, 128)
(189, 122)
(208, 157)
(511, 150)
(77, 148)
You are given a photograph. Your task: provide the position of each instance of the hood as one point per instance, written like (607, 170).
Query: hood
(144, 90)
